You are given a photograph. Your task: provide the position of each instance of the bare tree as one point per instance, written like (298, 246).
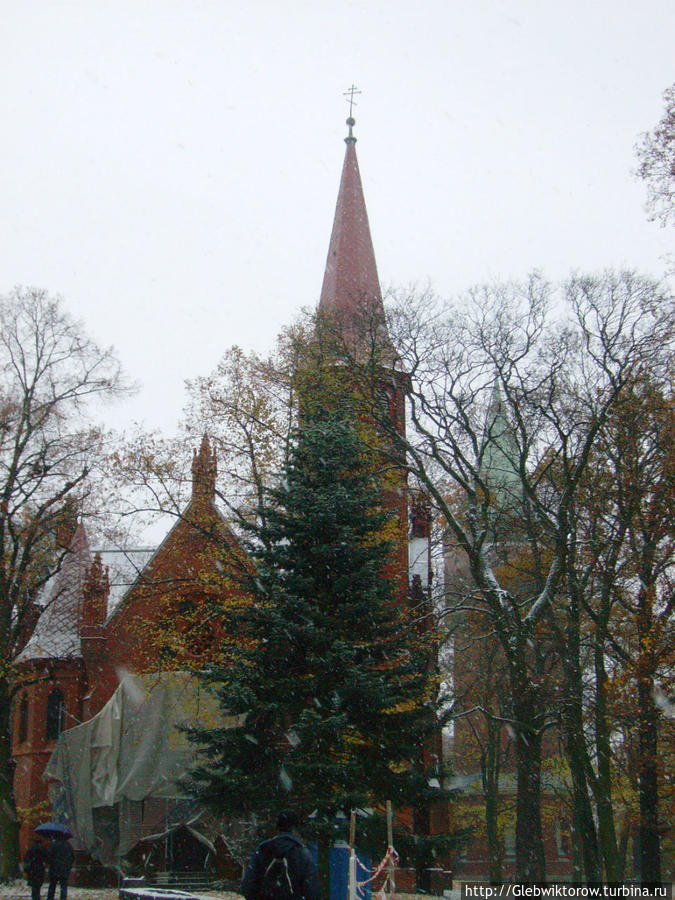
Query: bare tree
(50, 375)
(480, 711)
(656, 155)
(641, 452)
(508, 394)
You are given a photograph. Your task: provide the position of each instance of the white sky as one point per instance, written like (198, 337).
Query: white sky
(171, 168)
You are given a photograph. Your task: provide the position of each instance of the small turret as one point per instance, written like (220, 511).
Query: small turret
(65, 525)
(95, 593)
(204, 471)
(94, 611)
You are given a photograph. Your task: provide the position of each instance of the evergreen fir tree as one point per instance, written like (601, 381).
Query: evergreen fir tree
(335, 697)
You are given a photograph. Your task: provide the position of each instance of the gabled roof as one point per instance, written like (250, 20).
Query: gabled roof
(124, 566)
(138, 566)
(57, 633)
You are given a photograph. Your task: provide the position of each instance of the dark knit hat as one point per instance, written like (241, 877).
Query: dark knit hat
(287, 820)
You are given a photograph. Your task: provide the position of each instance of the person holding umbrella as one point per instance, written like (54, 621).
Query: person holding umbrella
(34, 866)
(60, 858)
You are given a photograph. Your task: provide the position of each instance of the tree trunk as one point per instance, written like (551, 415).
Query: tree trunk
(9, 826)
(606, 824)
(583, 814)
(624, 838)
(577, 858)
(422, 856)
(650, 850)
(323, 865)
(490, 772)
(576, 751)
(530, 863)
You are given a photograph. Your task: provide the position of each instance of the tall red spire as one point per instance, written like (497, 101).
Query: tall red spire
(351, 288)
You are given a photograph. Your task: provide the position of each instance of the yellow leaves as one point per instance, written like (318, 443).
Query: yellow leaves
(404, 706)
(389, 534)
(32, 816)
(184, 626)
(353, 738)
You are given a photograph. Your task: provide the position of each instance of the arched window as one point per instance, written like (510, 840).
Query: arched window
(23, 719)
(56, 715)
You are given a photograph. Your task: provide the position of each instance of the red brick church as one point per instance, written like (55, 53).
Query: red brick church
(86, 674)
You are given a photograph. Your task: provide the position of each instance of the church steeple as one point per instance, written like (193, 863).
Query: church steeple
(500, 455)
(351, 287)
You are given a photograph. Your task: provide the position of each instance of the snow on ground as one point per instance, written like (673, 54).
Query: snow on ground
(20, 890)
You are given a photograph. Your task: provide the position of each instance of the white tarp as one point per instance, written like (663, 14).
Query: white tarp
(132, 750)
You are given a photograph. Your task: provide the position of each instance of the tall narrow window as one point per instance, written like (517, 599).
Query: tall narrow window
(56, 715)
(23, 718)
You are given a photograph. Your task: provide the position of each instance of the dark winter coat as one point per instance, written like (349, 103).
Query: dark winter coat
(301, 866)
(34, 863)
(61, 857)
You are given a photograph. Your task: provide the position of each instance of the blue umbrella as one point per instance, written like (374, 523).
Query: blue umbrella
(54, 828)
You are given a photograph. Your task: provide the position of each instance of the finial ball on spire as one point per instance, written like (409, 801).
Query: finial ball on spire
(353, 90)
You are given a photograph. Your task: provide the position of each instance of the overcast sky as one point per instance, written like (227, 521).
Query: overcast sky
(171, 168)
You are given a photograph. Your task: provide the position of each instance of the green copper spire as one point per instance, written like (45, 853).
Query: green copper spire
(500, 454)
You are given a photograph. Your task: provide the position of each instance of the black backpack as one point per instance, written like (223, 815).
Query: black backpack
(277, 883)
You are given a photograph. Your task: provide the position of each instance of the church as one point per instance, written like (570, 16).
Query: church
(103, 680)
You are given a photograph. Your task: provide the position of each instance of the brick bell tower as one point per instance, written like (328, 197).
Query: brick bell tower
(351, 299)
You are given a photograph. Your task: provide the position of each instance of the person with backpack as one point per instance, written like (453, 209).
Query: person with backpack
(34, 867)
(61, 857)
(282, 868)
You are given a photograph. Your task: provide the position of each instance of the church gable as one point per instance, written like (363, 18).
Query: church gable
(169, 616)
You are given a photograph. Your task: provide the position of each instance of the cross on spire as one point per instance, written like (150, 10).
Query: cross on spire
(350, 94)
